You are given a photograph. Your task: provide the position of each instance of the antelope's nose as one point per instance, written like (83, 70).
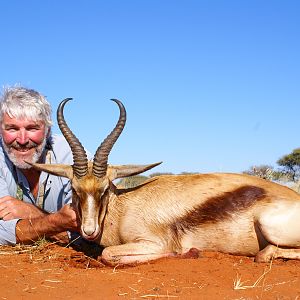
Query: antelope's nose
(90, 232)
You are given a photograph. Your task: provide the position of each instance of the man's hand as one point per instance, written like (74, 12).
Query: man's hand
(67, 218)
(12, 208)
(49, 225)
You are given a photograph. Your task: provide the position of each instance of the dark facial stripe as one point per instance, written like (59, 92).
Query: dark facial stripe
(218, 208)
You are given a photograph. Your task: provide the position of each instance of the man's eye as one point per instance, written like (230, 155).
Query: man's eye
(33, 128)
(11, 129)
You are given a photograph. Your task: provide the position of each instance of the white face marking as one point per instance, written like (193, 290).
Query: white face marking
(90, 216)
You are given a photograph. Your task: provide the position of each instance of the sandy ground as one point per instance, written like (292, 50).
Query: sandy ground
(49, 271)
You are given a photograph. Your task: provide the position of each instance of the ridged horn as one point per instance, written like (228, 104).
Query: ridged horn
(101, 155)
(80, 166)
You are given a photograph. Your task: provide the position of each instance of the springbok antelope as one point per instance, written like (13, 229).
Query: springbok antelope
(169, 215)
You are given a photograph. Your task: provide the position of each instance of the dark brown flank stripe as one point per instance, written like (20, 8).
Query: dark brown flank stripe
(218, 208)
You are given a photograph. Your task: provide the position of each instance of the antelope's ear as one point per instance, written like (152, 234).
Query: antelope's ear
(114, 172)
(58, 170)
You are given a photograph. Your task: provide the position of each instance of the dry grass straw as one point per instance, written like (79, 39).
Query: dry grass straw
(36, 247)
(239, 285)
(42, 250)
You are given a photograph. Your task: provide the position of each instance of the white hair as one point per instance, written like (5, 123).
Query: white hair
(21, 102)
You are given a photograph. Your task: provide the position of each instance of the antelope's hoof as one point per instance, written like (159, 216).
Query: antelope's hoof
(266, 255)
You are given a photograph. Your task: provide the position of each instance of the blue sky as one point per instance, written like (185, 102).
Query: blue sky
(209, 86)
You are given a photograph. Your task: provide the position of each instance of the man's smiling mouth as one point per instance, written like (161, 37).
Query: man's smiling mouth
(23, 150)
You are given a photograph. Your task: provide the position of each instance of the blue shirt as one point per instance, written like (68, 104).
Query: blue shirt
(58, 191)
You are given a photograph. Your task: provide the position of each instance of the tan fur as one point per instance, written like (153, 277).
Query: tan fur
(154, 215)
(169, 215)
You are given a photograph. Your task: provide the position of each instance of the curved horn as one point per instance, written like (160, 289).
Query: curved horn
(80, 166)
(101, 155)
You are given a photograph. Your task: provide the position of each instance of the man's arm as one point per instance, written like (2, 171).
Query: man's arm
(12, 208)
(52, 225)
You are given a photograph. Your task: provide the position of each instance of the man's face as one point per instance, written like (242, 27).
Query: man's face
(23, 139)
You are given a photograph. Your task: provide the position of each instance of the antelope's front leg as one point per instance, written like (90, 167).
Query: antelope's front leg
(133, 253)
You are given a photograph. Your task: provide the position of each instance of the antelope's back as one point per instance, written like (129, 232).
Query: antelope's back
(176, 194)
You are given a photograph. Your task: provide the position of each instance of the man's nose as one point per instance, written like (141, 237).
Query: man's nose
(22, 137)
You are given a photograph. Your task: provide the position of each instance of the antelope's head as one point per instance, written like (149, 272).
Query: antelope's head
(91, 180)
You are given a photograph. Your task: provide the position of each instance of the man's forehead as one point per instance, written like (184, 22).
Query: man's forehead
(22, 120)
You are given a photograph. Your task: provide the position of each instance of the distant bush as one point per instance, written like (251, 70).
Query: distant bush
(291, 164)
(159, 174)
(296, 186)
(262, 171)
(188, 173)
(267, 172)
(132, 181)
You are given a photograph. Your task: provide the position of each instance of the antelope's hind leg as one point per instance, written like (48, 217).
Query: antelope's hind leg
(272, 252)
(280, 227)
(133, 253)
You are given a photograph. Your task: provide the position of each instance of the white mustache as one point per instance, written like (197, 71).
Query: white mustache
(18, 146)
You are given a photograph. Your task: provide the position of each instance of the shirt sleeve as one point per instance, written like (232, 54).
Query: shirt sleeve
(8, 232)
(7, 228)
(3, 187)
(7, 181)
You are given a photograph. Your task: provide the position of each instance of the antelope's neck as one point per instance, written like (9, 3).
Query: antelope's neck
(111, 234)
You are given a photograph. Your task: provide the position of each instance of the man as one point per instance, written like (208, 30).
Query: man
(32, 204)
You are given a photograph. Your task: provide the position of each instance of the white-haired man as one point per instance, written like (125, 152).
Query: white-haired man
(32, 204)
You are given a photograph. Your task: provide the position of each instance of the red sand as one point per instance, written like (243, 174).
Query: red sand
(54, 272)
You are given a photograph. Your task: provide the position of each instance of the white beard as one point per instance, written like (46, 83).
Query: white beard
(33, 158)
